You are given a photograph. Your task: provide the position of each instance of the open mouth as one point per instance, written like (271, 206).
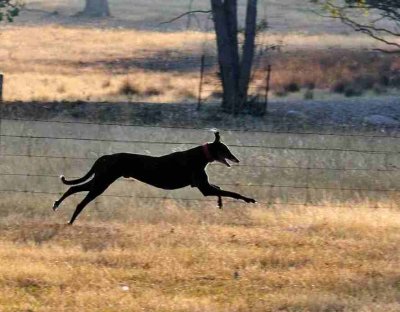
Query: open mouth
(225, 161)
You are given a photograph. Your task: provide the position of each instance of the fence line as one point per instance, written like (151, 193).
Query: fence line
(217, 164)
(30, 137)
(354, 135)
(268, 204)
(240, 184)
(307, 202)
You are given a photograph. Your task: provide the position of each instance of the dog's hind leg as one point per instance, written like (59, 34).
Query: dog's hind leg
(99, 186)
(72, 190)
(89, 197)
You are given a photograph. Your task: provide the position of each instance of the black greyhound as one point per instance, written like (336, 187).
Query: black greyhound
(168, 172)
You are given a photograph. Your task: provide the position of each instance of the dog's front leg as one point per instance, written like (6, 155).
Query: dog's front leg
(211, 190)
(200, 180)
(220, 204)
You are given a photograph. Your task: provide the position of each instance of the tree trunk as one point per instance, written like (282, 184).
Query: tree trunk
(225, 55)
(96, 8)
(230, 8)
(248, 52)
(235, 73)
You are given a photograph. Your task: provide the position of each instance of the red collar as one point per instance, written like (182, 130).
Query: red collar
(207, 152)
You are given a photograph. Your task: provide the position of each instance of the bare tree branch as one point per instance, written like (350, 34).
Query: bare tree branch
(185, 14)
(388, 11)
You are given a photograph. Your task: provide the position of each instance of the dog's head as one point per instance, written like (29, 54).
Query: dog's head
(220, 152)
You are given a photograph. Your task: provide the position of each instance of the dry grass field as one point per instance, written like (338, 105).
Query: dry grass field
(58, 63)
(45, 63)
(303, 259)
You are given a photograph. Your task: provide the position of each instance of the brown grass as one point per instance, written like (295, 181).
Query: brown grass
(325, 68)
(62, 63)
(58, 63)
(281, 260)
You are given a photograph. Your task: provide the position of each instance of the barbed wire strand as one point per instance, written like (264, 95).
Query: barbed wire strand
(31, 137)
(79, 122)
(239, 184)
(268, 204)
(217, 164)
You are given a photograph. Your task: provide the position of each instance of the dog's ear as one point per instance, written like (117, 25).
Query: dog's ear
(217, 137)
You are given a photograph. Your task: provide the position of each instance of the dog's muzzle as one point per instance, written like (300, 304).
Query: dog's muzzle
(225, 162)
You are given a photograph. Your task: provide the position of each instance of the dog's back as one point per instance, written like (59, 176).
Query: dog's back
(157, 171)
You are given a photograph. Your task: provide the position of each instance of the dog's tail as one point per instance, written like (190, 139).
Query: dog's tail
(77, 181)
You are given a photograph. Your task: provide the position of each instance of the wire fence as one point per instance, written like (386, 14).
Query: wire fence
(315, 169)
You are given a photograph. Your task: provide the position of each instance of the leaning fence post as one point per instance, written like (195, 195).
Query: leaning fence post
(1, 108)
(267, 87)
(201, 82)
(1, 87)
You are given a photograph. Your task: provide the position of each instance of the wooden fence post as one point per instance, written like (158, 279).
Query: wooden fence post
(1, 87)
(267, 87)
(201, 82)
(1, 108)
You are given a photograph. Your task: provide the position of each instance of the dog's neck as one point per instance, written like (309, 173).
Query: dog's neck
(206, 152)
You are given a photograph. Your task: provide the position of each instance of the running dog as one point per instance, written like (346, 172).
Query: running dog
(172, 171)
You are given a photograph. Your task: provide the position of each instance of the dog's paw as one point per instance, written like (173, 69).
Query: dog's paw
(220, 203)
(250, 200)
(55, 205)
